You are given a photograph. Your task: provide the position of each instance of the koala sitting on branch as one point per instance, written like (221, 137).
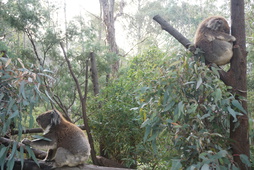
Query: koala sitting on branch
(212, 37)
(67, 144)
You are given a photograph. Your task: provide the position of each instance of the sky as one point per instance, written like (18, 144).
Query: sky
(75, 6)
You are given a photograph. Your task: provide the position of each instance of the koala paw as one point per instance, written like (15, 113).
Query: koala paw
(233, 38)
(26, 141)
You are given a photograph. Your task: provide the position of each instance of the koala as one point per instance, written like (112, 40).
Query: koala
(67, 145)
(213, 38)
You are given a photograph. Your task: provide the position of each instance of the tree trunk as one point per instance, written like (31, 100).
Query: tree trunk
(94, 75)
(239, 135)
(109, 21)
(96, 89)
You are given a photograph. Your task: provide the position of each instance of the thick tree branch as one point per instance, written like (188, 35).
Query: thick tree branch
(171, 30)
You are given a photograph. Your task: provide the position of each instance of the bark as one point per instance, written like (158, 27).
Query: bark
(96, 89)
(94, 72)
(85, 118)
(171, 30)
(238, 80)
(109, 21)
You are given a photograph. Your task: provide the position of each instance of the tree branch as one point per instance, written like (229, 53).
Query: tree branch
(37, 130)
(39, 154)
(83, 104)
(171, 30)
(134, 47)
(30, 37)
(120, 13)
(71, 70)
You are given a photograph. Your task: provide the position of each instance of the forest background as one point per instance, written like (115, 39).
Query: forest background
(148, 104)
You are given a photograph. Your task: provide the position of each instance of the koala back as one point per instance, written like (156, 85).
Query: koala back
(66, 134)
(72, 138)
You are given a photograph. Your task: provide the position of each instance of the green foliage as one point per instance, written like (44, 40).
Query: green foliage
(21, 89)
(188, 102)
(114, 125)
(22, 15)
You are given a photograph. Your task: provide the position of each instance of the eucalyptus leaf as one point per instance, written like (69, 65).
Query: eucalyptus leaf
(3, 151)
(147, 132)
(176, 164)
(215, 70)
(205, 167)
(31, 154)
(232, 113)
(41, 137)
(14, 150)
(199, 82)
(22, 89)
(238, 105)
(10, 163)
(16, 113)
(145, 123)
(245, 160)
(21, 149)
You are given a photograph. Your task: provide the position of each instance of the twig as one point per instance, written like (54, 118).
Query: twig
(29, 35)
(134, 47)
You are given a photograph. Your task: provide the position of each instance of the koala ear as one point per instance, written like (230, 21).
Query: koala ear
(55, 118)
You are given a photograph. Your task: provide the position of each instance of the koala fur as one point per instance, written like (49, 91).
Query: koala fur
(213, 38)
(68, 145)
